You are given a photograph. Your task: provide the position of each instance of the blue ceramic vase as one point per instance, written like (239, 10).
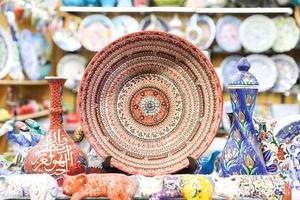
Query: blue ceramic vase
(242, 153)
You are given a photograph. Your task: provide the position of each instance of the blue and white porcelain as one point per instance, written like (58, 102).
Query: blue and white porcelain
(228, 68)
(125, 24)
(242, 153)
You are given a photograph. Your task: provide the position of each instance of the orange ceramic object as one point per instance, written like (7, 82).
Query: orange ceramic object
(113, 186)
(56, 154)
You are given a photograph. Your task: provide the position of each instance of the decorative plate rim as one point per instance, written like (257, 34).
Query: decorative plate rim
(7, 66)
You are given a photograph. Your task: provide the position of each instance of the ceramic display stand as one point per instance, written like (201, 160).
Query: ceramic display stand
(107, 167)
(242, 153)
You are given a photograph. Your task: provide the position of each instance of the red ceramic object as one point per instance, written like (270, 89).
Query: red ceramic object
(56, 154)
(150, 100)
(113, 186)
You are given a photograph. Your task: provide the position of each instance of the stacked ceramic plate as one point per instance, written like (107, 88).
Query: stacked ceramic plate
(227, 35)
(72, 67)
(5, 53)
(257, 33)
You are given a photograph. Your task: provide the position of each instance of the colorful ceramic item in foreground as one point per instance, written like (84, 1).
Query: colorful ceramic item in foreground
(148, 185)
(149, 90)
(201, 31)
(242, 153)
(254, 187)
(288, 72)
(56, 154)
(207, 165)
(260, 66)
(34, 186)
(287, 34)
(171, 188)
(5, 54)
(71, 66)
(96, 31)
(113, 186)
(227, 35)
(257, 33)
(196, 188)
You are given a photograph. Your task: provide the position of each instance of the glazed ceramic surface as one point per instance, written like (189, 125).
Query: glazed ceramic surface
(171, 188)
(196, 188)
(288, 72)
(252, 187)
(264, 69)
(125, 24)
(154, 23)
(56, 154)
(201, 31)
(96, 31)
(143, 92)
(5, 54)
(34, 186)
(113, 186)
(257, 33)
(42, 46)
(29, 55)
(228, 68)
(66, 38)
(242, 153)
(287, 34)
(72, 67)
(148, 185)
(227, 35)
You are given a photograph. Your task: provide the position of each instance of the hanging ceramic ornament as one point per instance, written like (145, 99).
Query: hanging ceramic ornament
(56, 154)
(176, 26)
(242, 153)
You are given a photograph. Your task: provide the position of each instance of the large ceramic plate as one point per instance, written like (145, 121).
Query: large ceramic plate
(264, 69)
(288, 72)
(125, 24)
(72, 67)
(287, 34)
(229, 68)
(96, 31)
(150, 100)
(257, 33)
(5, 54)
(201, 31)
(228, 33)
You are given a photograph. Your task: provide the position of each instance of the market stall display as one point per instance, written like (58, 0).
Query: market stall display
(150, 103)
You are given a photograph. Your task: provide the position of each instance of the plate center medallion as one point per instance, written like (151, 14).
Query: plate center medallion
(149, 106)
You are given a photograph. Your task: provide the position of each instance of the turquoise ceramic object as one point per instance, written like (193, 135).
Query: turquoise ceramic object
(207, 165)
(108, 3)
(242, 152)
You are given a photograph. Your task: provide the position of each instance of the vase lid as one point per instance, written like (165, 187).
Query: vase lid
(243, 78)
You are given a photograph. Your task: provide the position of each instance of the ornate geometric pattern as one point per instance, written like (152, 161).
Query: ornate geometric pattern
(150, 100)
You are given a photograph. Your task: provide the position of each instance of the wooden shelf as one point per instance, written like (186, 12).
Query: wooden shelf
(23, 82)
(39, 114)
(277, 10)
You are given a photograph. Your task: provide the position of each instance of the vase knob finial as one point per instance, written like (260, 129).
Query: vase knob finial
(243, 64)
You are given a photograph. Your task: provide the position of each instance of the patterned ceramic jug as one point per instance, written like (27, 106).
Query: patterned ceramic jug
(56, 154)
(242, 153)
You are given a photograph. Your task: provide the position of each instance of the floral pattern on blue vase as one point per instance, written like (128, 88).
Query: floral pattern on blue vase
(242, 153)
